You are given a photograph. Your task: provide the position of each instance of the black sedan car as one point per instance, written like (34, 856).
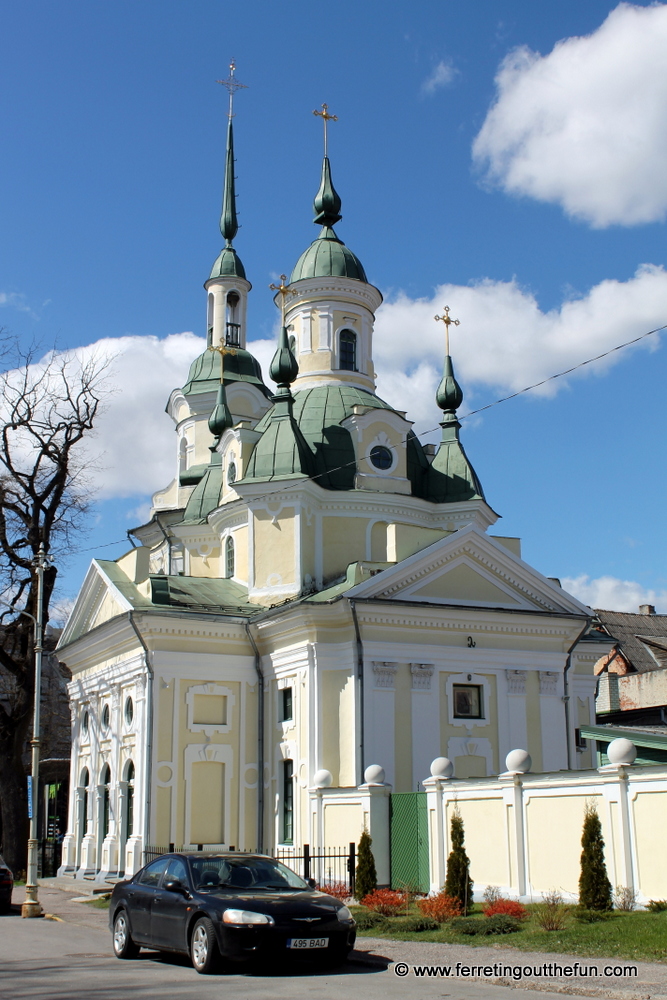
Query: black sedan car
(6, 885)
(227, 906)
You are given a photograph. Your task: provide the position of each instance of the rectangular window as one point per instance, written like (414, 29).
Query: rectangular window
(286, 707)
(288, 802)
(468, 701)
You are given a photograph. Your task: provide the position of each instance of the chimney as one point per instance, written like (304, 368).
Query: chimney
(646, 609)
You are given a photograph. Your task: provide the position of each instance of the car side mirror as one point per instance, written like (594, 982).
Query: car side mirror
(174, 885)
(312, 883)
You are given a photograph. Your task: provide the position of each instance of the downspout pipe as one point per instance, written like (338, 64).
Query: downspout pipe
(260, 740)
(566, 691)
(359, 647)
(149, 725)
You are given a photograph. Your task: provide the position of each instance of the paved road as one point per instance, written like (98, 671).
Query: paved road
(71, 959)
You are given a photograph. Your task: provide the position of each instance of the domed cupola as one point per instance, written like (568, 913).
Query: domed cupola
(331, 311)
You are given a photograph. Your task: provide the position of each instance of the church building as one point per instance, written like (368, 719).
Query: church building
(318, 606)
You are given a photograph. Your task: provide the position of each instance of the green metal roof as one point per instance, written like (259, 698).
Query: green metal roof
(197, 593)
(227, 265)
(281, 452)
(240, 366)
(327, 256)
(206, 494)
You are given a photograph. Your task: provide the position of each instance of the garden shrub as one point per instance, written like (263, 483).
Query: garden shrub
(501, 923)
(625, 898)
(388, 902)
(507, 906)
(416, 924)
(339, 890)
(491, 894)
(590, 916)
(656, 905)
(550, 913)
(594, 885)
(366, 879)
(458, 882)
(368, 920)
(440, 907)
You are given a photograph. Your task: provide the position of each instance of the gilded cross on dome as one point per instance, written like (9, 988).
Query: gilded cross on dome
(448, 321)
(284, 290)
(326, 118)
(221, 349)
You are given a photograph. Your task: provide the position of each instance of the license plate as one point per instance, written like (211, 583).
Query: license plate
(303, 943)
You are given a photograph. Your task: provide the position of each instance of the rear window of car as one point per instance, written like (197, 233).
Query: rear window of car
(152, 872)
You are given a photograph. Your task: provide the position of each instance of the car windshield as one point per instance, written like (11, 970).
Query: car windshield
(243, 873)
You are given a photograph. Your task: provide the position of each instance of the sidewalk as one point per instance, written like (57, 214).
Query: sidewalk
(79, 886)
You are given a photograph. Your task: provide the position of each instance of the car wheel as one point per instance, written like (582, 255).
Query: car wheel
(204, 950)
(123, 945)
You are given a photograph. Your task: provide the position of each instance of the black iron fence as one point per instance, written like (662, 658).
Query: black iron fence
(331, 867)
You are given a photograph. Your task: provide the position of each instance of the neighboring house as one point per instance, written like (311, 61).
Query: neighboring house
(632, 684)
(650, 741)
(314, 593)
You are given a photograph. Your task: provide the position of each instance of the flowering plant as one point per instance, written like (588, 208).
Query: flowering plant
(440, 907)
(509, 907)
(388, 902)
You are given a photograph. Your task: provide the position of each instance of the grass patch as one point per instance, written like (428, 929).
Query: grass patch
(99, 902)
(641, 936)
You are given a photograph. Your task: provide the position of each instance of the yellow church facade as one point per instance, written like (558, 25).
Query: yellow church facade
(317, 609)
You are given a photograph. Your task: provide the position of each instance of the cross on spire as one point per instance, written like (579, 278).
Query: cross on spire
(448, 321)
(326, 118)
(221, 349)
(231, 84)
(284, 290)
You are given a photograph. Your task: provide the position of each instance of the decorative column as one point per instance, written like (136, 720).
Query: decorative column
(436, 786)
(516, 706)
(375, 801)
(425, 720)
(381, 716)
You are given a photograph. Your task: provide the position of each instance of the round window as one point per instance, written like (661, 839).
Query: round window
(381, 457)
(85, 722)
(129, 711)
(231, 473)
(106, 717)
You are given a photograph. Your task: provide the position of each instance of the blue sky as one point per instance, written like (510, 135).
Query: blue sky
(529, 199)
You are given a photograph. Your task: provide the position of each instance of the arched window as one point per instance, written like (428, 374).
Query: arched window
(348, 350)
(183, 455)
(129, 810)
(209, 320)
(106, 782)
(229, 557)
(232, 325)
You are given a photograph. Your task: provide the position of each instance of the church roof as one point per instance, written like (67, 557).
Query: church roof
(185, 592)
(328, 256)
(227, 264)
(206, 494)
(240, 366)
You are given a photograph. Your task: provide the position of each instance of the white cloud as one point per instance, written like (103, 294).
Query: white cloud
(505, 341)
(585, 126)
(16, 300)
(441, 76)
(612, 594)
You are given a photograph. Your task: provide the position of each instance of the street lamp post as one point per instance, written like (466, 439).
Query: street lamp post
(32, 906)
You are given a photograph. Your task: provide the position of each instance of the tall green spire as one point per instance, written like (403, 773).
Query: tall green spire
(284, 367)
(229, 225)
(451, 477)
(221, 417)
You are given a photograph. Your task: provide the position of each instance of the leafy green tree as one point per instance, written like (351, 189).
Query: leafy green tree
(366, 879)
(595, 892)
(458, 883)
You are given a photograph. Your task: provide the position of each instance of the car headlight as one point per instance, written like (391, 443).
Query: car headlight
(246, 917)
(344, 915)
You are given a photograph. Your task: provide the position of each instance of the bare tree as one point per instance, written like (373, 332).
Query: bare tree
(47, 406)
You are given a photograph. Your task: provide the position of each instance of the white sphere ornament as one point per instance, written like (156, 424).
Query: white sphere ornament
(374, 775)
(442, 767)
(518, 760)
(621, 751)
(323, 779)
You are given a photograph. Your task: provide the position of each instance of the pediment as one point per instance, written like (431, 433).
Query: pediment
(98, 601)
(469, 568)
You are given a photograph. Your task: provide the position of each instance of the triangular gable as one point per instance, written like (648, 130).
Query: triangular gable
(98, 601)
(469, 568)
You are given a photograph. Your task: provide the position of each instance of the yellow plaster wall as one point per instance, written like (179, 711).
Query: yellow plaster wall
(533, 719)
(553, 838)
(464, 583)
(342, 823)
(403, 730)
(164, 727)
(162, 815)
(406, 539)
(241, 554)
(274, 547)
(472, 765)
(109, 608)
(207, 800)
(649, 818)
(336, 725)
(208, 566)
(487, 848)
(343, 542)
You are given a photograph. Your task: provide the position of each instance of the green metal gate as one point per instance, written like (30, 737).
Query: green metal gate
(409, 841)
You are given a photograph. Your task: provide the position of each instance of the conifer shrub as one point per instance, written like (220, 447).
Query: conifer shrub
(458, 883)
(415, 925)
(595, 891)
(656, 905)
(387, 902)
(510, 907)
(366, 879)
(500, 924)
(367, 920)
(440, 907)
